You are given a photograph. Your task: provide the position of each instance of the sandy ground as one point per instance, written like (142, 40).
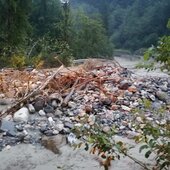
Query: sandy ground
(29, 157)
(131, 63)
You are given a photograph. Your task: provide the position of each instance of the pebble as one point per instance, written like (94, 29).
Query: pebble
(91, 119)
(31, 108)
(51, 121)
(58, 112)
(72, 105)
(139, 119)
(8, 127)
(55, 132)
(59, 126)
(54, 103)
(125, 108)
(48, 109)
(132, 134)
(124, 85)
(54, 143)
(39, 104)
(106, 129)
(22, 115)
(42, 113)
(163, 96)
(68, 125)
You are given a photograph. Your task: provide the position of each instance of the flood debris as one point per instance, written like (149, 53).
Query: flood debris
(57, 100)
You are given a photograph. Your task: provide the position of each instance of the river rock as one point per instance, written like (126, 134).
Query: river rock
(8, 127)
(49, 109)
(125, 108)
(42, 113)
(163, 96)
(106, 129)
(132, 89)
(31, 108)
(57, 97)
(68, 125)
(39, 104)
(124, 85)
(51, 121)
(72, 105)
(54, 143)
(58, 112)
(132, 134)
(22, 115)
(59, 126)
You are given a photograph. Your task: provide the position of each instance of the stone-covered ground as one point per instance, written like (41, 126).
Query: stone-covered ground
(97, 92)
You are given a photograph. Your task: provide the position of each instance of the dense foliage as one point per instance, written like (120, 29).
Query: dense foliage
(50, 30)
(131, 24)
(62, 30)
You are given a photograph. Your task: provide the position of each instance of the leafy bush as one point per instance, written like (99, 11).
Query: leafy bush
(18, 61)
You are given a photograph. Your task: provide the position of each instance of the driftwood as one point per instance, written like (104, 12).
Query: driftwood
(67, 98)
(38, 90)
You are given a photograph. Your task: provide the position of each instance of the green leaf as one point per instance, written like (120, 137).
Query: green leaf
(147, 154)
(143, 147)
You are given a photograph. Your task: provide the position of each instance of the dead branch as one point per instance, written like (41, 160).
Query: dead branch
(38, 90)
(66, 100)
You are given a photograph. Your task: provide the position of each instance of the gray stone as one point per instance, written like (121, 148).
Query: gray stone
(55, 132)
(68, 125)
(57, 97)
(156, 105)
(54, 143)
(39, 104)
(59, 126)
(51, 121)
(42, 113)
(22, 115)
(163, 96)
(31, 108)
(126, 108)
(124, 85)
(58, 112)
(8, 127)
(49, 109)
(132, 134)
(72, 104)
(106, 129)
(54, 103)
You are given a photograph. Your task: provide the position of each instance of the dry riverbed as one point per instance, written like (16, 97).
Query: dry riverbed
(36, 157)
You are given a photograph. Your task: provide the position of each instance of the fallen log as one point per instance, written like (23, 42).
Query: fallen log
(38, 90)
(67, 98)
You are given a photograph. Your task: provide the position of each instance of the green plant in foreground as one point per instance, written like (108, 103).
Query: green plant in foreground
(101, 144)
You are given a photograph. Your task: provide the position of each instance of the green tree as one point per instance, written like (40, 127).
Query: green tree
(14, 24)
(90, 38)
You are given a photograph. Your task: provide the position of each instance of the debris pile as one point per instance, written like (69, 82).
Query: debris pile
(49, 103)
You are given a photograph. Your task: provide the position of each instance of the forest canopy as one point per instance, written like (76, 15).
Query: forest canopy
(46, 29)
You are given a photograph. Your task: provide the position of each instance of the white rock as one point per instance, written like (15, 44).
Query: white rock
(59, 126)
(51, 121)
(54, 103)
(31, 108)
(71, 138)
(22, 115)
(55, 132)
(42, 113)
(126, 108)
(132, 134)
(139, 119)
